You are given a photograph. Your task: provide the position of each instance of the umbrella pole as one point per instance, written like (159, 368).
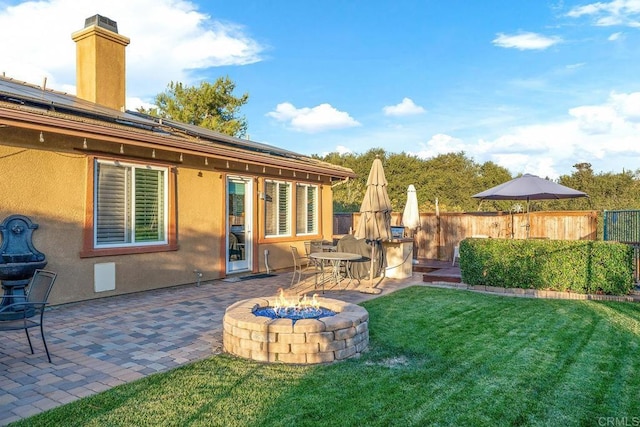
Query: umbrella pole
(528, 218)
(373, 252)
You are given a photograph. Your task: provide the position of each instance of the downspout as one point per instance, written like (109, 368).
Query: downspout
(266, 260)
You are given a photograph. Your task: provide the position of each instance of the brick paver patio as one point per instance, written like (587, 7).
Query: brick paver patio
(99, 344)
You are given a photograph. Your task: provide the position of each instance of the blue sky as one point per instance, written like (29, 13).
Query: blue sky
(535, 86)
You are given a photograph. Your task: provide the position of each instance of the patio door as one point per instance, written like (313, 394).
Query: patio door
(239, 222)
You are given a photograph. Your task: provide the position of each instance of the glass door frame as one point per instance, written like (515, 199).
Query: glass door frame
(239, 243)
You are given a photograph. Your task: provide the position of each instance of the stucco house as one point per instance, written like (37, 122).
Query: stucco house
(126, 202)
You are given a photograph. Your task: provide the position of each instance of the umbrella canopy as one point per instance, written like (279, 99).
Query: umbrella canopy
(529, 187)
(411, 214)
(375, 218)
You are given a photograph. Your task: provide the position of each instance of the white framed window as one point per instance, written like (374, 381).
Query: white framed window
(277, 202)
(306, 209)
(130, 204)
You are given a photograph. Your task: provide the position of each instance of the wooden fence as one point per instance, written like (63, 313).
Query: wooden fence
(439, 234)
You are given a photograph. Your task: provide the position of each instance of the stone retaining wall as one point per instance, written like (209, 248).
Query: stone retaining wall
(307, 341)
(539, 293)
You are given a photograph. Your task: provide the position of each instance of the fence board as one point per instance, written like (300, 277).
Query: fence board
(438, 235)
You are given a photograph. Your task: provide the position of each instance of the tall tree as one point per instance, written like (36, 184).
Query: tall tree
(212, 106)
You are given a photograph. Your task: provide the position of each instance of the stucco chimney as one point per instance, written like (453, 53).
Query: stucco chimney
(100, 62)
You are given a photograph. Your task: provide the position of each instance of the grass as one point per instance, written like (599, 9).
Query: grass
(436, 357)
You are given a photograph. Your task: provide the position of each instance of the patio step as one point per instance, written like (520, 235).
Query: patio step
(424, 269)
(451, 275)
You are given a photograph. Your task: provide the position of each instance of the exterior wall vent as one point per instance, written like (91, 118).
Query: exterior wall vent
(104, 277)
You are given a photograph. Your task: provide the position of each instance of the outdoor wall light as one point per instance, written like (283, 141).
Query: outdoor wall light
(41, 137)
(84, 144)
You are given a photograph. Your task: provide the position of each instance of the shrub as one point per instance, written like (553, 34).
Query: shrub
(579, 266)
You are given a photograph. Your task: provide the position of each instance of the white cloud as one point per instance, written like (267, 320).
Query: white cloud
(594, 120)
(616, 12)
(321, 118)
(627, 104)
(607, 135)
(575, 66)
(341, 149)
(525, 41)
(170, 41)
(406, 108)
(439, 144)
(616, 36)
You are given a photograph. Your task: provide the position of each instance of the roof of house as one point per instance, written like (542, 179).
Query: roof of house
(21, 102)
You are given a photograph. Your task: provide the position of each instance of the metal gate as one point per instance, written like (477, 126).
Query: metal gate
(624, 227)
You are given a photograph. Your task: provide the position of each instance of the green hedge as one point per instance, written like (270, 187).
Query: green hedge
(581, 266)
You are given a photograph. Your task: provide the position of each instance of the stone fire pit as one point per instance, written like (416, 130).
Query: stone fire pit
(305, 341)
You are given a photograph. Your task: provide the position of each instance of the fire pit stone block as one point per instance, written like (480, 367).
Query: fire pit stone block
(306, 341)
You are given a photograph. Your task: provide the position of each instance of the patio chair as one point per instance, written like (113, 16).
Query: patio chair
(235, 247)
(456, 254)
(302, 267)
(27, 312)
(315, 246)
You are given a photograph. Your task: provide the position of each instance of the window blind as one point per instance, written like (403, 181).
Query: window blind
(112, 204)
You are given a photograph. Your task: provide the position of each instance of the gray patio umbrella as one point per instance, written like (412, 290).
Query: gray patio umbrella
(529, 187)
(375, 218)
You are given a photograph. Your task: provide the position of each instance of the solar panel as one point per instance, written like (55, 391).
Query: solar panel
(24, 93)
(221, 137)
(59, 101)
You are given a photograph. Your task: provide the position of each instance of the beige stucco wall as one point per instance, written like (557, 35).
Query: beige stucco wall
(50, 187)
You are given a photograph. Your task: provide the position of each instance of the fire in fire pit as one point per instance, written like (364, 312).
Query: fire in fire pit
(302, 308)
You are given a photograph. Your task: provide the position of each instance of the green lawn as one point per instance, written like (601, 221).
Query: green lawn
(436, 357)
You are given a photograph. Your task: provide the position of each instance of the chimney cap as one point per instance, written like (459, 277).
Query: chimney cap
(101, 21)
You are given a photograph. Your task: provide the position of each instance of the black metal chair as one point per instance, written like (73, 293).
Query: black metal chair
(28, 312)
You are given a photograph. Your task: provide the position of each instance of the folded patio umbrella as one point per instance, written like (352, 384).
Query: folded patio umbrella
(411, 214)
(375, 221)
(375, 218)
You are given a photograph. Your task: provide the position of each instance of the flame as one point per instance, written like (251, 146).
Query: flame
(301, 303)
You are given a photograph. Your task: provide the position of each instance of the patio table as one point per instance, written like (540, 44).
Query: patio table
(335, 259)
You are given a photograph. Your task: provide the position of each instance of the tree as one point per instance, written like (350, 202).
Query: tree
(212, 106)
(451, 178)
